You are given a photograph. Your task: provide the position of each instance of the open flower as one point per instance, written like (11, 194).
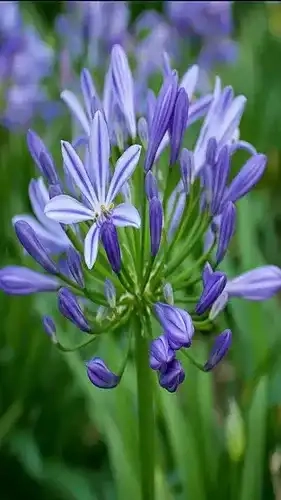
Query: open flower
(98, 193)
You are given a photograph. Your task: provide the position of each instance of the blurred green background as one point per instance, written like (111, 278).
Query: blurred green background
(60, 438)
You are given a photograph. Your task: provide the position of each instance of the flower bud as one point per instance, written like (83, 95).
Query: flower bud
(42, 157)
(160, 353)
(111, 245)
(102, 313)
(110, 293)
(74, 263)
(247, 177)
(178, 124)
(17, 280)
(187, 168)
(227, 228)
(54, 190)
(143, 131)
(156, 224)
(173, 376)
(235, 432)
(176, 323)
(162, 113)
(100, 375)
(49, 327)
(214, 283)
(221, 345)
(32, 245)
(220, 173)
(168, 294)
(70, 308)
(151, 188)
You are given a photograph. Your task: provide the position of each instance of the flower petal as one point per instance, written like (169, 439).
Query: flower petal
(76, 169)
(75, 107)
(126, 215)
(88, 90)
(189, 80)
(125, 167)
(91, 244)
(99, 154)
(54, 242)
(67, 210)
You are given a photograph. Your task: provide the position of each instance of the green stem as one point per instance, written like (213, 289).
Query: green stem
(146, 415)
(193, 361)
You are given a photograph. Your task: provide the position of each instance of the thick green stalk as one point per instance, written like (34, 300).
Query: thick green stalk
(146, 415)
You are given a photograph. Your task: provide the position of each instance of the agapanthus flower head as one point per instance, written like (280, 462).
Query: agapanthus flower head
(108, 189)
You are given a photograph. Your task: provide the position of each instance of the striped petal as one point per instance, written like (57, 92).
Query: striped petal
(77, 171)
(88, 90)
(125, 167)
(126, 215)
(67, 210)
(99, 154)
(91, 244)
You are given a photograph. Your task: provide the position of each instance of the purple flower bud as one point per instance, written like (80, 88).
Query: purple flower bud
(17, 280)
(102, 313)
(220, 173)
(151, 103)
(32, 245)
(54, 190)
(221, 345)
(178, 124)
(111, 245)
(155, 224)
(211, 151)
(227, 228)
(74, 263)
(48, 167)
(123, 86)
(110, 293)
(173, 376)
(214, 283)
(41, 157)
(163, 110)
(88, 91)
(168, 293)
(160, 353)
(49, 327)
(100, 375)
(247, 178)
(187, 168)
(143, 131)
(69, 307)
(258, 284)
(176, 323)
(151, 188)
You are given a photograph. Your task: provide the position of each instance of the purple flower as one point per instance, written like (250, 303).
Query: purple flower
(69, 307)
(75, 266)
(123, 87)
(100, 375)
(227, 228)
(156, 224)
(214, 283)
(258, 284)
(163, 110)
(160, 353)
(49, 233)
(32, 245)
(17, 280)
(110, 293)
(109, 238)
(99, 194)
(247, 177)
(178, 124)
(221, 345)
(173, 376)
(176, 323)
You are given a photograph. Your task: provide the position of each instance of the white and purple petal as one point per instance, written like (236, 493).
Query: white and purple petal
(76, 109)
(126, 215)
(99, 148)
(124, 169)
(91, 244)
(67, 210)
